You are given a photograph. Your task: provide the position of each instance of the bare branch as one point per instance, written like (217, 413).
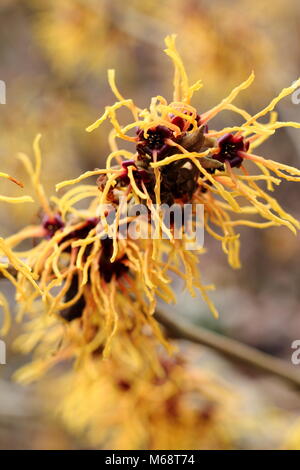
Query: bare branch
(231, 348)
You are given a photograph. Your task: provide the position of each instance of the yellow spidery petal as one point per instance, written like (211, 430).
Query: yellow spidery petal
(182, 90)
(134, 185)
(19, 265)
(85, 175)
(205, 117)
(285, 92)
(6, 323)
(11, 178)
(112, 84)
(35, 173)
(15, 200)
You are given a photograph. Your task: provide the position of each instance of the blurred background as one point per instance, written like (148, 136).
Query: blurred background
(54, 57)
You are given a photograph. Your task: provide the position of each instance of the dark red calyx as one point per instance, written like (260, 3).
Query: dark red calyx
(198, 120)
(83, 231)
(52, 224)
(180, 122)
(230, 147)
(155, 142)
(123, 178)
(124, 385)
(140, 175)
(76, 310)
(106, 267)
(128, 163)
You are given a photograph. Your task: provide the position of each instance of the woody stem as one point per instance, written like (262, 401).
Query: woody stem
(233, 349)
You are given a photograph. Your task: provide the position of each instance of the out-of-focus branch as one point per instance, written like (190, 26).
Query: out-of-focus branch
(231, 348)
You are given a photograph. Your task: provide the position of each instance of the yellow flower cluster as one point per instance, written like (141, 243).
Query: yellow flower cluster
(10, 259)
(136, 405)
(90, 294)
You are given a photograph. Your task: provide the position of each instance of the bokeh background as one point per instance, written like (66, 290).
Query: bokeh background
(53, 57)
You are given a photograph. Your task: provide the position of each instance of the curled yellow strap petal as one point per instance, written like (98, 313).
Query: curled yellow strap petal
(205, 117)
(7, 317)
(16, 200)
(85, 175)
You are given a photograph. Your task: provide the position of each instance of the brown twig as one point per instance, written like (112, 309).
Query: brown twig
(231, 348)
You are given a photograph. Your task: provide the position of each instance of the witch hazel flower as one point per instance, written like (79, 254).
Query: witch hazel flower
(186, 160)
(105, 287)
